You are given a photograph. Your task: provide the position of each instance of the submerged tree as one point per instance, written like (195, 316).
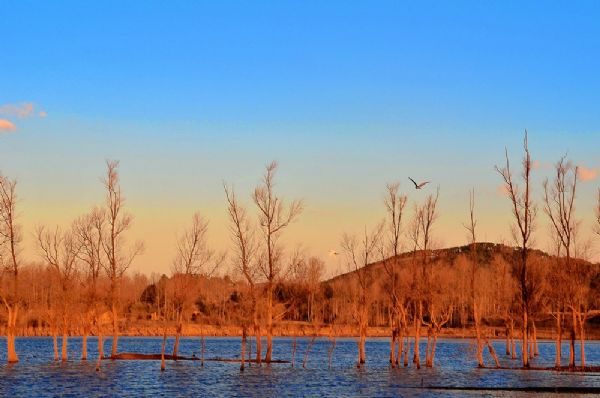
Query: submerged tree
(559, 206)
(360, 256)
(273, 217)
(193, 259)
(476, 283)
(472, 229)
(245, 261)
(523, 211)
(422, 293)
(395, 204)
(117, 257)
(10, 241)
(60, 250)
(89, 230)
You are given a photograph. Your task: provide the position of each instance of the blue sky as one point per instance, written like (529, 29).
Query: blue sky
(346, 95)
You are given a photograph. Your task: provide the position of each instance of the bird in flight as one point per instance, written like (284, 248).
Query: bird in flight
(420, 185)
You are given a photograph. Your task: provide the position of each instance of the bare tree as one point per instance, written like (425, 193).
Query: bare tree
(476, 282)
(245, 260)
(471, 228)
(193, 259)
(360, 256)
(274, 217)
(559, 206)
(395, 204)
(60, 250)
(117, 258)
(420, 233)
(10, 241)
(524, 212)
(89, 231)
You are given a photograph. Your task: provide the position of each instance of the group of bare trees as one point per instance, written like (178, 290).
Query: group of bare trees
(92, 247)
(424, 291)
(259, 255)
(568, 280)
(397, 276)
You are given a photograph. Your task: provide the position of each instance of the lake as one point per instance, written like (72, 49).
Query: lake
(38, 375)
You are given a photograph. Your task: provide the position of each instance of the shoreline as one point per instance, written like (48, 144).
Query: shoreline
(287, 331)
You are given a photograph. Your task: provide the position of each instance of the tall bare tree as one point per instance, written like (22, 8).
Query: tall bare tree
(476, 283)
(10, 241)
(395, 203)
(193, 259)
(243, 236)
(117, 257)
(60, 250)
(273, 217)
(524, 212)
(472, 230)
(420, 233)
(559, 206)
(89, 230)
(360, 256)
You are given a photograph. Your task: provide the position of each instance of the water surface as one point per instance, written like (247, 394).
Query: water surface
(38, 375)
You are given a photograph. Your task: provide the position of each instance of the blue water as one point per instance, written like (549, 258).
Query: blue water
(38, 375)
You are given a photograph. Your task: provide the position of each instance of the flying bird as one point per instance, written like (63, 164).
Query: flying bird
(420, 185)
(333, 253)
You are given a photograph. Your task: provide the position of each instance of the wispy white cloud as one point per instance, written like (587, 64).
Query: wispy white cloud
(6, 126)
(586, 174)
(22, 110)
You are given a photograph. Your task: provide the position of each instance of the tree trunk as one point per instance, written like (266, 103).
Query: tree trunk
(162, 352)
(100, 345)
(525, 351)
(513, 344)
(361, 343)
(582, 338)
(572, 345)
(536, 352)
(100, 352)
(178, 332)
(492, 352)
(308, 348)
(406, 350)
(10, 334)
(400, 347)
(418, 320)
(243, 349)
(55, 342)
(531, 355)
(392, 345)
(507, 332)
(269, 352)
(258, 344)
(64, 355)
(478, 335)
(293, 350)
(558, 339)
(84, 338)
(427, 349)
(432, 354)
(115, 326)
(203, 347)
